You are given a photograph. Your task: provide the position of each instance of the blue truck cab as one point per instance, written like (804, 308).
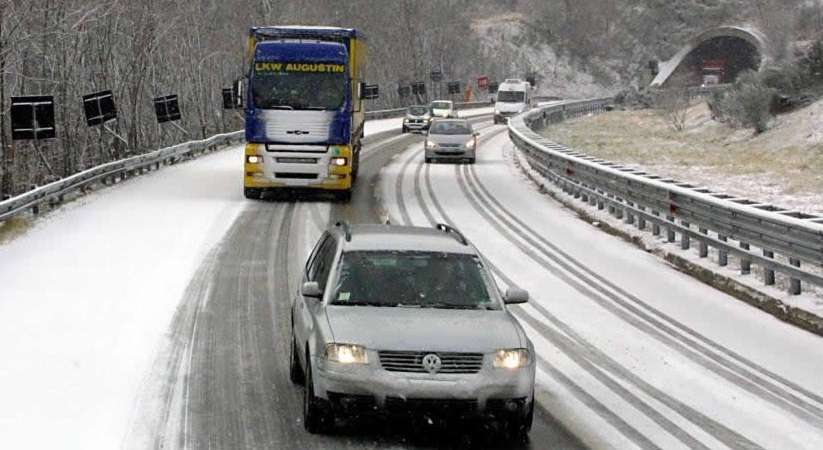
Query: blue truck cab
(304, 109)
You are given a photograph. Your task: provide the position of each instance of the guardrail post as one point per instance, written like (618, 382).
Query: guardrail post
(641, 221)
(745, 263)
(670, 235)
(685, 242)
(768, 274)
(794, 283)
(629, 215)
(722, 254)
(704, 246)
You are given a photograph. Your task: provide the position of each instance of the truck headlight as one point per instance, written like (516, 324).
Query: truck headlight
(346, 354)
(511, 359)
(254, 159)
(338, 161)
(471, 143)
(431, 145)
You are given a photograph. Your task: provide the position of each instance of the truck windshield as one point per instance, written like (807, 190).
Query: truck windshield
(413, 279)
(510, 96)
(441, 105)
(299, 90)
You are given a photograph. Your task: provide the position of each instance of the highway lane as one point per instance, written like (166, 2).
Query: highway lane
(223, 381)
(631, 353)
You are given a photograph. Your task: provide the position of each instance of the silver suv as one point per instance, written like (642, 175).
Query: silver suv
(417, 118)
(408, 320)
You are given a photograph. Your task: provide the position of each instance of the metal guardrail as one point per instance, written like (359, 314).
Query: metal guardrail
(776, 239)
(110, 173)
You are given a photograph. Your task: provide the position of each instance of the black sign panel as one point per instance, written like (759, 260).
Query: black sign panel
(371, 91)
(99, 108)
(228, 98)
(418, 88)
(531, 78)
(32, 117)
(454, 87)
(493, 86)
(437, 76)
(167, 109)
(404, 91)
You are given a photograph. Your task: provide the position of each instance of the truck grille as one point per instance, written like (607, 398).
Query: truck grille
(453, 363)
(296, 176)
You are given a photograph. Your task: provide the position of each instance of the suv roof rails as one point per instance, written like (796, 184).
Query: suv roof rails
(451, 230)
(346, 229)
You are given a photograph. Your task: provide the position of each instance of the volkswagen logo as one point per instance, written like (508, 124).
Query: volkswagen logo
(432, 363)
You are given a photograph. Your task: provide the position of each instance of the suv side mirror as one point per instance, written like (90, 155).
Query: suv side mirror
(515, 296)
(311, 289)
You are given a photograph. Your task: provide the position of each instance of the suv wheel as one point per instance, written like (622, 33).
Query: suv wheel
(316, 418)
(296, 374)
(518, 427)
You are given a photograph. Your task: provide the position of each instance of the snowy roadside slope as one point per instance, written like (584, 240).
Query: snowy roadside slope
(86, 295)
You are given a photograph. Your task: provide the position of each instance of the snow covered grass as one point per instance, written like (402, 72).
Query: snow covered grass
(783, 166)
(88, 292)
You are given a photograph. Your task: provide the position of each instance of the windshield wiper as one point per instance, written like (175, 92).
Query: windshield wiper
(455, 306)
(378, 304)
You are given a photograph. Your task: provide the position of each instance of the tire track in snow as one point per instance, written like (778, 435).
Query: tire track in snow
(649, 319)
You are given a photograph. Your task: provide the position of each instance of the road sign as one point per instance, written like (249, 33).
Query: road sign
(482, 82)
(418, 88)
(454, 87)
(404, 91)
(371, 91)
(493, 85)
(531, 78)
(32, 117)
(99, 108)
(229, 101)
(167, 109)
(437, 76)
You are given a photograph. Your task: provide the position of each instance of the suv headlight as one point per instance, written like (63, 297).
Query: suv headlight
(346, 353)
(511, 359)
(431, 145)
(471, 143)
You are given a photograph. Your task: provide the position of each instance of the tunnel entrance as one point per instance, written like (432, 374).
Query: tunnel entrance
(717, 60)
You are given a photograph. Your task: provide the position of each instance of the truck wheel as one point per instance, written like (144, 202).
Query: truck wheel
(251, 193)
(404, 130)
(428, 160)
(355, 166)
(343, 196)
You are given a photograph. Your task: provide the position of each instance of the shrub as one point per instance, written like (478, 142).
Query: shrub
(748, 103)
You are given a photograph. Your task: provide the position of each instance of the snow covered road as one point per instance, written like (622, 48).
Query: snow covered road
(154, 313)
(632, 352)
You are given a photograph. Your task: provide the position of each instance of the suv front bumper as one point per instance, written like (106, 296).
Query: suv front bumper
(490, 391)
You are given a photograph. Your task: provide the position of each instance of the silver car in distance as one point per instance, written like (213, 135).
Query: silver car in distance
(450, 139)
(407, 320)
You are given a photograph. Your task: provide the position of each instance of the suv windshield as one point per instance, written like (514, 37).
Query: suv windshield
(321, 90)
(417, 110)
(413, 279)
(510, 96)
(450, 128)
(441, 105)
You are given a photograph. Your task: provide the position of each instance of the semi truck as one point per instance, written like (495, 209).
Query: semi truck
(304, 110)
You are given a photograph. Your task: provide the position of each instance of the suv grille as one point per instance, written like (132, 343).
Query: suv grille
(454, 363)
